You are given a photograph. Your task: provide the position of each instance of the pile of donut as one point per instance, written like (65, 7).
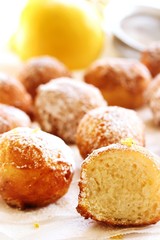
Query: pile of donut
(119, 179)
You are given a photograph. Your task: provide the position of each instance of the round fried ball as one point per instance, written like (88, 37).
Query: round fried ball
(4, 125)
(40, 70)
(151, 58)
(121, 81)
(119, 185)
(152, 88)
(36, 168)
(61, 103)
(11, 117)
(154, 105)
(106, 125)
(12, 92)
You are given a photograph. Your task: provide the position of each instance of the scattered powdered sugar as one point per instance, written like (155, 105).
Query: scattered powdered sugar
(61, 103)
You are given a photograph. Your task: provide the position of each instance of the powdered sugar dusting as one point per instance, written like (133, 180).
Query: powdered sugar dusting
(14, 116)
(61, 103)
(109, 125)
(42, 147)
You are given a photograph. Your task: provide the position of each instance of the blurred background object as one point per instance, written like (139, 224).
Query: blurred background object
(68, 30)
(127, 25)
(135, 25)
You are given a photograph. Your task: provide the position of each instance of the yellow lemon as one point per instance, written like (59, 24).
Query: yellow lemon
(67, 29)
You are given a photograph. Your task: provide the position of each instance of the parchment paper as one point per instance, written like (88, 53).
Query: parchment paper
(61, 221)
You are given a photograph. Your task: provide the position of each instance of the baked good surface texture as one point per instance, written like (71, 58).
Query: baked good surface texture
(152, 88)
(151, 58)
(120, 185)
(154, 105)
(36, 168)
(121, 81)
(106, 125)
(40, 70)
(4, 125)
(11, 117)
(61, 103)
(12, 92)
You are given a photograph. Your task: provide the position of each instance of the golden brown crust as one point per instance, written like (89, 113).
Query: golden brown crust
(41, 70)
(151, 58)
(104, 126)
(13, 93)
(84, 212)
(11, 117)
(122, 82)
(83, 207)
(36, 168)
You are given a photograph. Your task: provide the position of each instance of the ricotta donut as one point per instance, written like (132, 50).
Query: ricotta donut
(61, 103)
(36, 168)
(12, 92)
(120, 185)
(121, 81)
(152, 88)
(154, 105)
(40, 70)
(151, 58)
(106, 125)
(4, 125)
(11, 117)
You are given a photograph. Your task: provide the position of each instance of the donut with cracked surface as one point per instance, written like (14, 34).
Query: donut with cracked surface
(36, 168)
